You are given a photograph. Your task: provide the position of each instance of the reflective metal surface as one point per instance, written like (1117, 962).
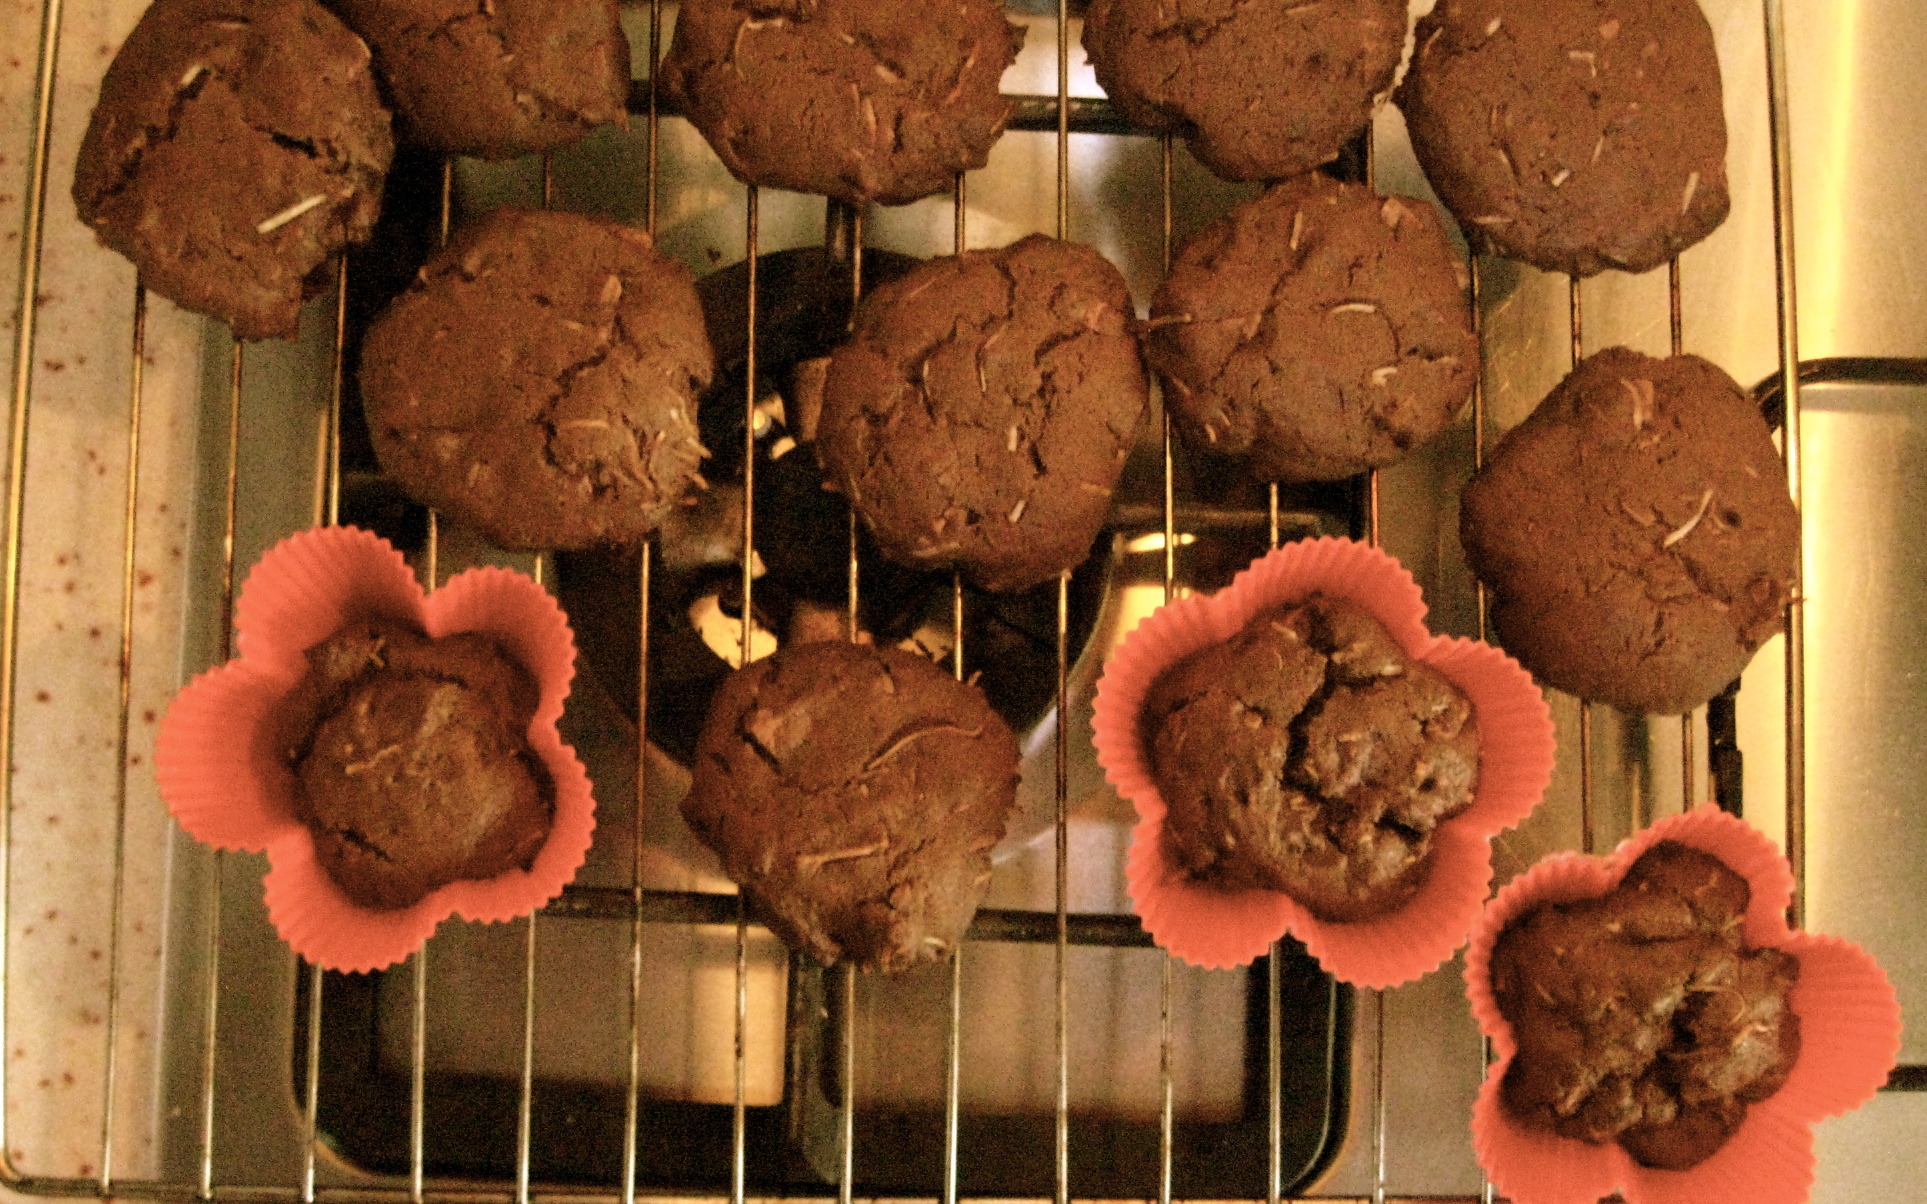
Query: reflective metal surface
(1866, 555)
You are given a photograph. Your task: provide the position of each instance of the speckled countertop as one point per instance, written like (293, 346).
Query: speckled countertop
(66, 758)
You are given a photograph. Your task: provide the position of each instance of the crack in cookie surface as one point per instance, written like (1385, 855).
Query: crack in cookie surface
(1292, 307)
(1308, 754)
(981, 412)
(573, 355)
(204, 167)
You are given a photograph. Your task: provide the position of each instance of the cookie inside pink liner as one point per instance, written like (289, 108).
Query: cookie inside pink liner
(1213, 927)
(1848, 1021)
(217, 783)
(1309, 754)
(412, 760)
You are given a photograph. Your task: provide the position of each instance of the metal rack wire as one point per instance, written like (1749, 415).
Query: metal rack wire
(642, 906)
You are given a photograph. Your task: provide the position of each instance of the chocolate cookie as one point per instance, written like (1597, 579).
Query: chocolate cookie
(413, 761)
(980, 414)
(1315, 331)
(1307, 754)
(539, 381)
(1635, 533)
(1257, 91)
(233, 151)
(854, 792)
(1577, 137)
(862, 100)
(1640, 1017)
(505, 78)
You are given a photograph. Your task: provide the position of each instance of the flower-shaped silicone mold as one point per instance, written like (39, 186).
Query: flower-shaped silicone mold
(1849, 1038)
(1211, 927)
(229, 786)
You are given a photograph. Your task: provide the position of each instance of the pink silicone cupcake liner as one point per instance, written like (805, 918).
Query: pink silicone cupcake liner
(1217, 928)
(223, 778)
(1849, 1039)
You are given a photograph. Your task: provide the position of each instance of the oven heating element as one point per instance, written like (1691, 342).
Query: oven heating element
(1060, 114)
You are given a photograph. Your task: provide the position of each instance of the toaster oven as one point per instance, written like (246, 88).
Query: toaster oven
(640, 1035)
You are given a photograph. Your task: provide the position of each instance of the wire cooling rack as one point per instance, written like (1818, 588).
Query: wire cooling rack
(1060, 115)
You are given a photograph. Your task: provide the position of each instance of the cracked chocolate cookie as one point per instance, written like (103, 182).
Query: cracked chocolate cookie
(500, 78)
(1257, 91)
(1309, 755)
(854, 792)
(1635, 532)
(539, 381)
(1576, 137)
(413, 761)
(1640, 1016)
(1315, 331)
(861, 100)
(980, 414)
(233, 151)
